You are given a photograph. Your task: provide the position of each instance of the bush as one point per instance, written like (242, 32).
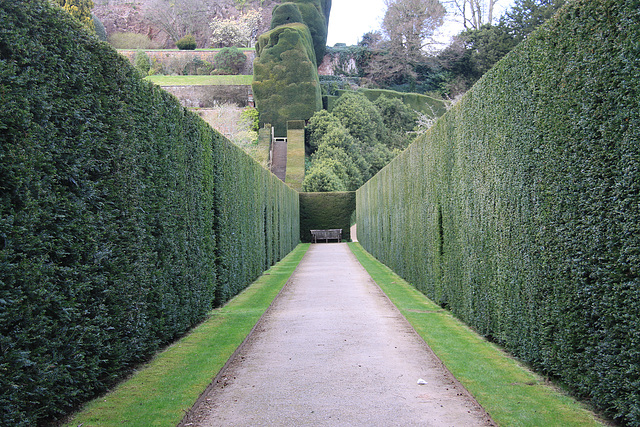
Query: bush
(519, 209)
(188, 42)
(124, 218)
(101, 32)
(229, 60)
(142, 62)
(131, 41)
(251, 114)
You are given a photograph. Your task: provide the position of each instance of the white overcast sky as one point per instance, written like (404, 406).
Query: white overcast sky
(350, 19)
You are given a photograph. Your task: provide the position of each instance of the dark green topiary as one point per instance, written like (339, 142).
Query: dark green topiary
(285, 13)
(285, 79)
(188, 42)
(314, 19)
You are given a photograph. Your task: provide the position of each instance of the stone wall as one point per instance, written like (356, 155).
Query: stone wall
(210, 96)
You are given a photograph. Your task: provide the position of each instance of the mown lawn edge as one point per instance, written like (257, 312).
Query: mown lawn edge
(511, 394)
(162, 391)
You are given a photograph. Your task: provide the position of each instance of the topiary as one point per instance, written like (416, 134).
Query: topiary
(188, 42)
(229, 60)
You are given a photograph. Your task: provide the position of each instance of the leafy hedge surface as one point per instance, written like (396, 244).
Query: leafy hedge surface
(520, 209)
(322, 211)
(285, 77)
(124, 218)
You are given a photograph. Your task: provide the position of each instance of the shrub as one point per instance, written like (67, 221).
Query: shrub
(253, 116)
(142, 62)
(130, 41)
(229, 60)
(188, 42)
(101, 32)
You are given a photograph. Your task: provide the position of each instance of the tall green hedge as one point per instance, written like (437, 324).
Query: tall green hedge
(520, 209)
(124, 217)
(322, 211)
(285, 77)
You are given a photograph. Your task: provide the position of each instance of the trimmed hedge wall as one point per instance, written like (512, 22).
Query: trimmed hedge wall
(520, 209)
(124, 217)
(321, 211)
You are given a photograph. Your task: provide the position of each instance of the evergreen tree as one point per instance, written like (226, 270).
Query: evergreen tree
(79, 9)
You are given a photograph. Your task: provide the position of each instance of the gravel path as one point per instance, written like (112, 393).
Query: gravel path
(334, 351)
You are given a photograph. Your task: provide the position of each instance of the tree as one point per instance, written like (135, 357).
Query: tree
(410, 24)
(179, 18)
(474, 52)
(398, 118)
(79, 9)
(408, 27)
(241, 32)
(474, 13)
(229, 60)
(361, 118)
(527, 15)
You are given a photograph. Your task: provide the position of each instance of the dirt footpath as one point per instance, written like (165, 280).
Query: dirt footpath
(334, 351)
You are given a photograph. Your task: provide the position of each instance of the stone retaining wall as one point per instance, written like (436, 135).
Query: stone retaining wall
(212, 95)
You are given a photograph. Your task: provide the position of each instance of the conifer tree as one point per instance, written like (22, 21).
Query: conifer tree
(79, 9)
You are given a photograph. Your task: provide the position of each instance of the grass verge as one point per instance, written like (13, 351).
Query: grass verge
(508, 391)
(162, 391)
(161, 80)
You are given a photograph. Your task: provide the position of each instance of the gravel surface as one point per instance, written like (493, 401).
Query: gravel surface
(334, 351)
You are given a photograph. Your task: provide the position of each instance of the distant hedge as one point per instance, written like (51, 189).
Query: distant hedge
(321, 211)
(520, 209)
(124, 217)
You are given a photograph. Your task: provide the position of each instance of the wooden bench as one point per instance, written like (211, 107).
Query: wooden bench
(333, 234)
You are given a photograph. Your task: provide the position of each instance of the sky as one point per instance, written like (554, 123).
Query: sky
(350, 19)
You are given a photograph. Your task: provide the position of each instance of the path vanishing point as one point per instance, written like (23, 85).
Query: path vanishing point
(334, 351)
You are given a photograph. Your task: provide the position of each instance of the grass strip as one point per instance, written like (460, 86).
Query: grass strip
(507, 390)
(162, 391)
(160, 80)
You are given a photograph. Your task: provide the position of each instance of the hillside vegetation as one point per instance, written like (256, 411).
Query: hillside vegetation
(124, 218)
(520, 209)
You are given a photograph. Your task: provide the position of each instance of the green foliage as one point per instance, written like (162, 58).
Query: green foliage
(123, 217)
(188, 42)
(527, 15)
(322, 211)
(130, 41)
(101, 32)
(285, 13)
(313, 13)
(252, 114)
(79, 9)
(361, 118)
(285, 80)
(398, 118)
(519, 209)
(142, 62)
(229, 60)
